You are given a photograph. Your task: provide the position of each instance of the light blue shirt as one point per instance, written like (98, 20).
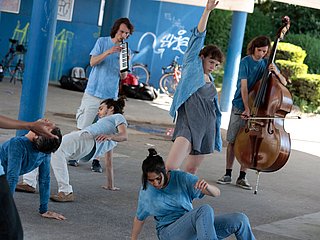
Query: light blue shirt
(104, 78)
(252, 71)
(18, 156)
(105, 125)
(170, 203)
(192, 78)
(1, 170)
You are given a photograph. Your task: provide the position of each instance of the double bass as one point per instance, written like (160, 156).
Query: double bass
(263, 144)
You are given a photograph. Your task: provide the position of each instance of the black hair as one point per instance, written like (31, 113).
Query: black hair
(117, 105)
(153, 164)
(213, 51)
(117, 24)
(48, 145)
(260, 41)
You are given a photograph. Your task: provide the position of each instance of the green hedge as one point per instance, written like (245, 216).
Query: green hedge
(312, 47)
(291, 69)
(305, 89)
(290, 52)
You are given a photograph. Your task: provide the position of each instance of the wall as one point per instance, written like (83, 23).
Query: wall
(162, 32)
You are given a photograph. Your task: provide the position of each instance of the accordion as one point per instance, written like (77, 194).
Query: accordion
(124, 57)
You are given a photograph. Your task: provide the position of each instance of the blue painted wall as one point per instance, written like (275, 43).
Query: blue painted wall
(162, 31)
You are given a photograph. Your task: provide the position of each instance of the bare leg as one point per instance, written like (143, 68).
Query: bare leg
(109, 172)
(192, 163)
(178, 153)
(231, 157)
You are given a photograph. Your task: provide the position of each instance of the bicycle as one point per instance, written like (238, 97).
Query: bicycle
(170, 78)
(140, 71)
(12, 62)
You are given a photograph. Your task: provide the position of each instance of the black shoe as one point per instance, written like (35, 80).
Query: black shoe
(74, 163)
(96, 167)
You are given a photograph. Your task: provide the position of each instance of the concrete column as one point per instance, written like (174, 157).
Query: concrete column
(38, 60)
(113, 9)
(233, 60)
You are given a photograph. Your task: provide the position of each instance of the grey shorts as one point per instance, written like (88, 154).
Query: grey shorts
(235, 123)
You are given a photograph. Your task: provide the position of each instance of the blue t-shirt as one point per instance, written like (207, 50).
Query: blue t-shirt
(252, 71)
(104, 78)
(18, 156)
(170, 203)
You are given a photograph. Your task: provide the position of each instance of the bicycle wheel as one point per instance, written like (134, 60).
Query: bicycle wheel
(141, 72)
(167, 84)
(16, 72)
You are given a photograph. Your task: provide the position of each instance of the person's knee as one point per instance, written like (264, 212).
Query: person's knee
(206, 209)
(241, 218)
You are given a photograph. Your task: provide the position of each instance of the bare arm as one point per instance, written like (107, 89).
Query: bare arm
(245, 97)
(202, 25)
(275, 71)
(95, 60)
(207, 188)
(136, 228)
(109, 172)
(40, 127)
(121, 136)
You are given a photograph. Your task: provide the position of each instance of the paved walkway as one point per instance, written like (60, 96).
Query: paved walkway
(286, 206)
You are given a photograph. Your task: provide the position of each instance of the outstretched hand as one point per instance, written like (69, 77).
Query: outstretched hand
(102, 137)
(211, 4)
(53, 215)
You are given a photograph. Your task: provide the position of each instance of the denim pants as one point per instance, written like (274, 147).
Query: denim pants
(201, 224)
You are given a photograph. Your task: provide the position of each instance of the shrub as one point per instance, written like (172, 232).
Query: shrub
(305, 89)
(312, 47)
(290, 52)
(291, 69)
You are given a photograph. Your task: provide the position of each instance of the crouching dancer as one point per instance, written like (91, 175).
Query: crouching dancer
(22, 154)
(111, 127)
(168, 196)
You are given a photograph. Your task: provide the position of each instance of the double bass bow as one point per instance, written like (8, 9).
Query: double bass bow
(263, 144)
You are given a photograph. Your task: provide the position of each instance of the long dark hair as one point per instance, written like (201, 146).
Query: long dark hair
(117, 24)
(118, 105)
(153, 164)
(257, 42)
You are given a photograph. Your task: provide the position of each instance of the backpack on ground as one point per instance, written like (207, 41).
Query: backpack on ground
(77, 80)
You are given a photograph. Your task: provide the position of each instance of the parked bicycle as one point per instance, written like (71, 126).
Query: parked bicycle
(12, 63)
(170, 78)
(140, 71)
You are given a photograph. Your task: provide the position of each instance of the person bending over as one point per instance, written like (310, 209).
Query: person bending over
(99, 138)
(168, 195)
(22, 154)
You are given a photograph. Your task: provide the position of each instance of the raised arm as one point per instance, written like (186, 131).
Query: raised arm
(95, 60)
(202, 25)
(136, 228)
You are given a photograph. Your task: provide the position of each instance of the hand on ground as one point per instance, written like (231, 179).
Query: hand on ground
(53, 215)
(111, 188)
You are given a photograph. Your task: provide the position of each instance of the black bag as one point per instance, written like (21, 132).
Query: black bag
(141, 91)
(74, 84)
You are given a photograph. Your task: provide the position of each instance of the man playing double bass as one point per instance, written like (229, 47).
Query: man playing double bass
(251, 70)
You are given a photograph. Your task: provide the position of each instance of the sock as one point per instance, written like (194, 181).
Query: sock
(228, 172)
(242, 175)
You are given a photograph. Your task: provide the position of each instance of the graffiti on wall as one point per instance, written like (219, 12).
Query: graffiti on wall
(62, 43)
(176, 42)
(65, 10)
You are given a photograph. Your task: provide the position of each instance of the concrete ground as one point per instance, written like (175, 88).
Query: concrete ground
(286, 207)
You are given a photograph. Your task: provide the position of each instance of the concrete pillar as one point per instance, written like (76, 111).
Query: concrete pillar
(113, 9)
(233, 60)
(38, 60)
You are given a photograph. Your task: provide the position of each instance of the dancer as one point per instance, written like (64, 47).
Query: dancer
(197, 130)
(168, 195)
